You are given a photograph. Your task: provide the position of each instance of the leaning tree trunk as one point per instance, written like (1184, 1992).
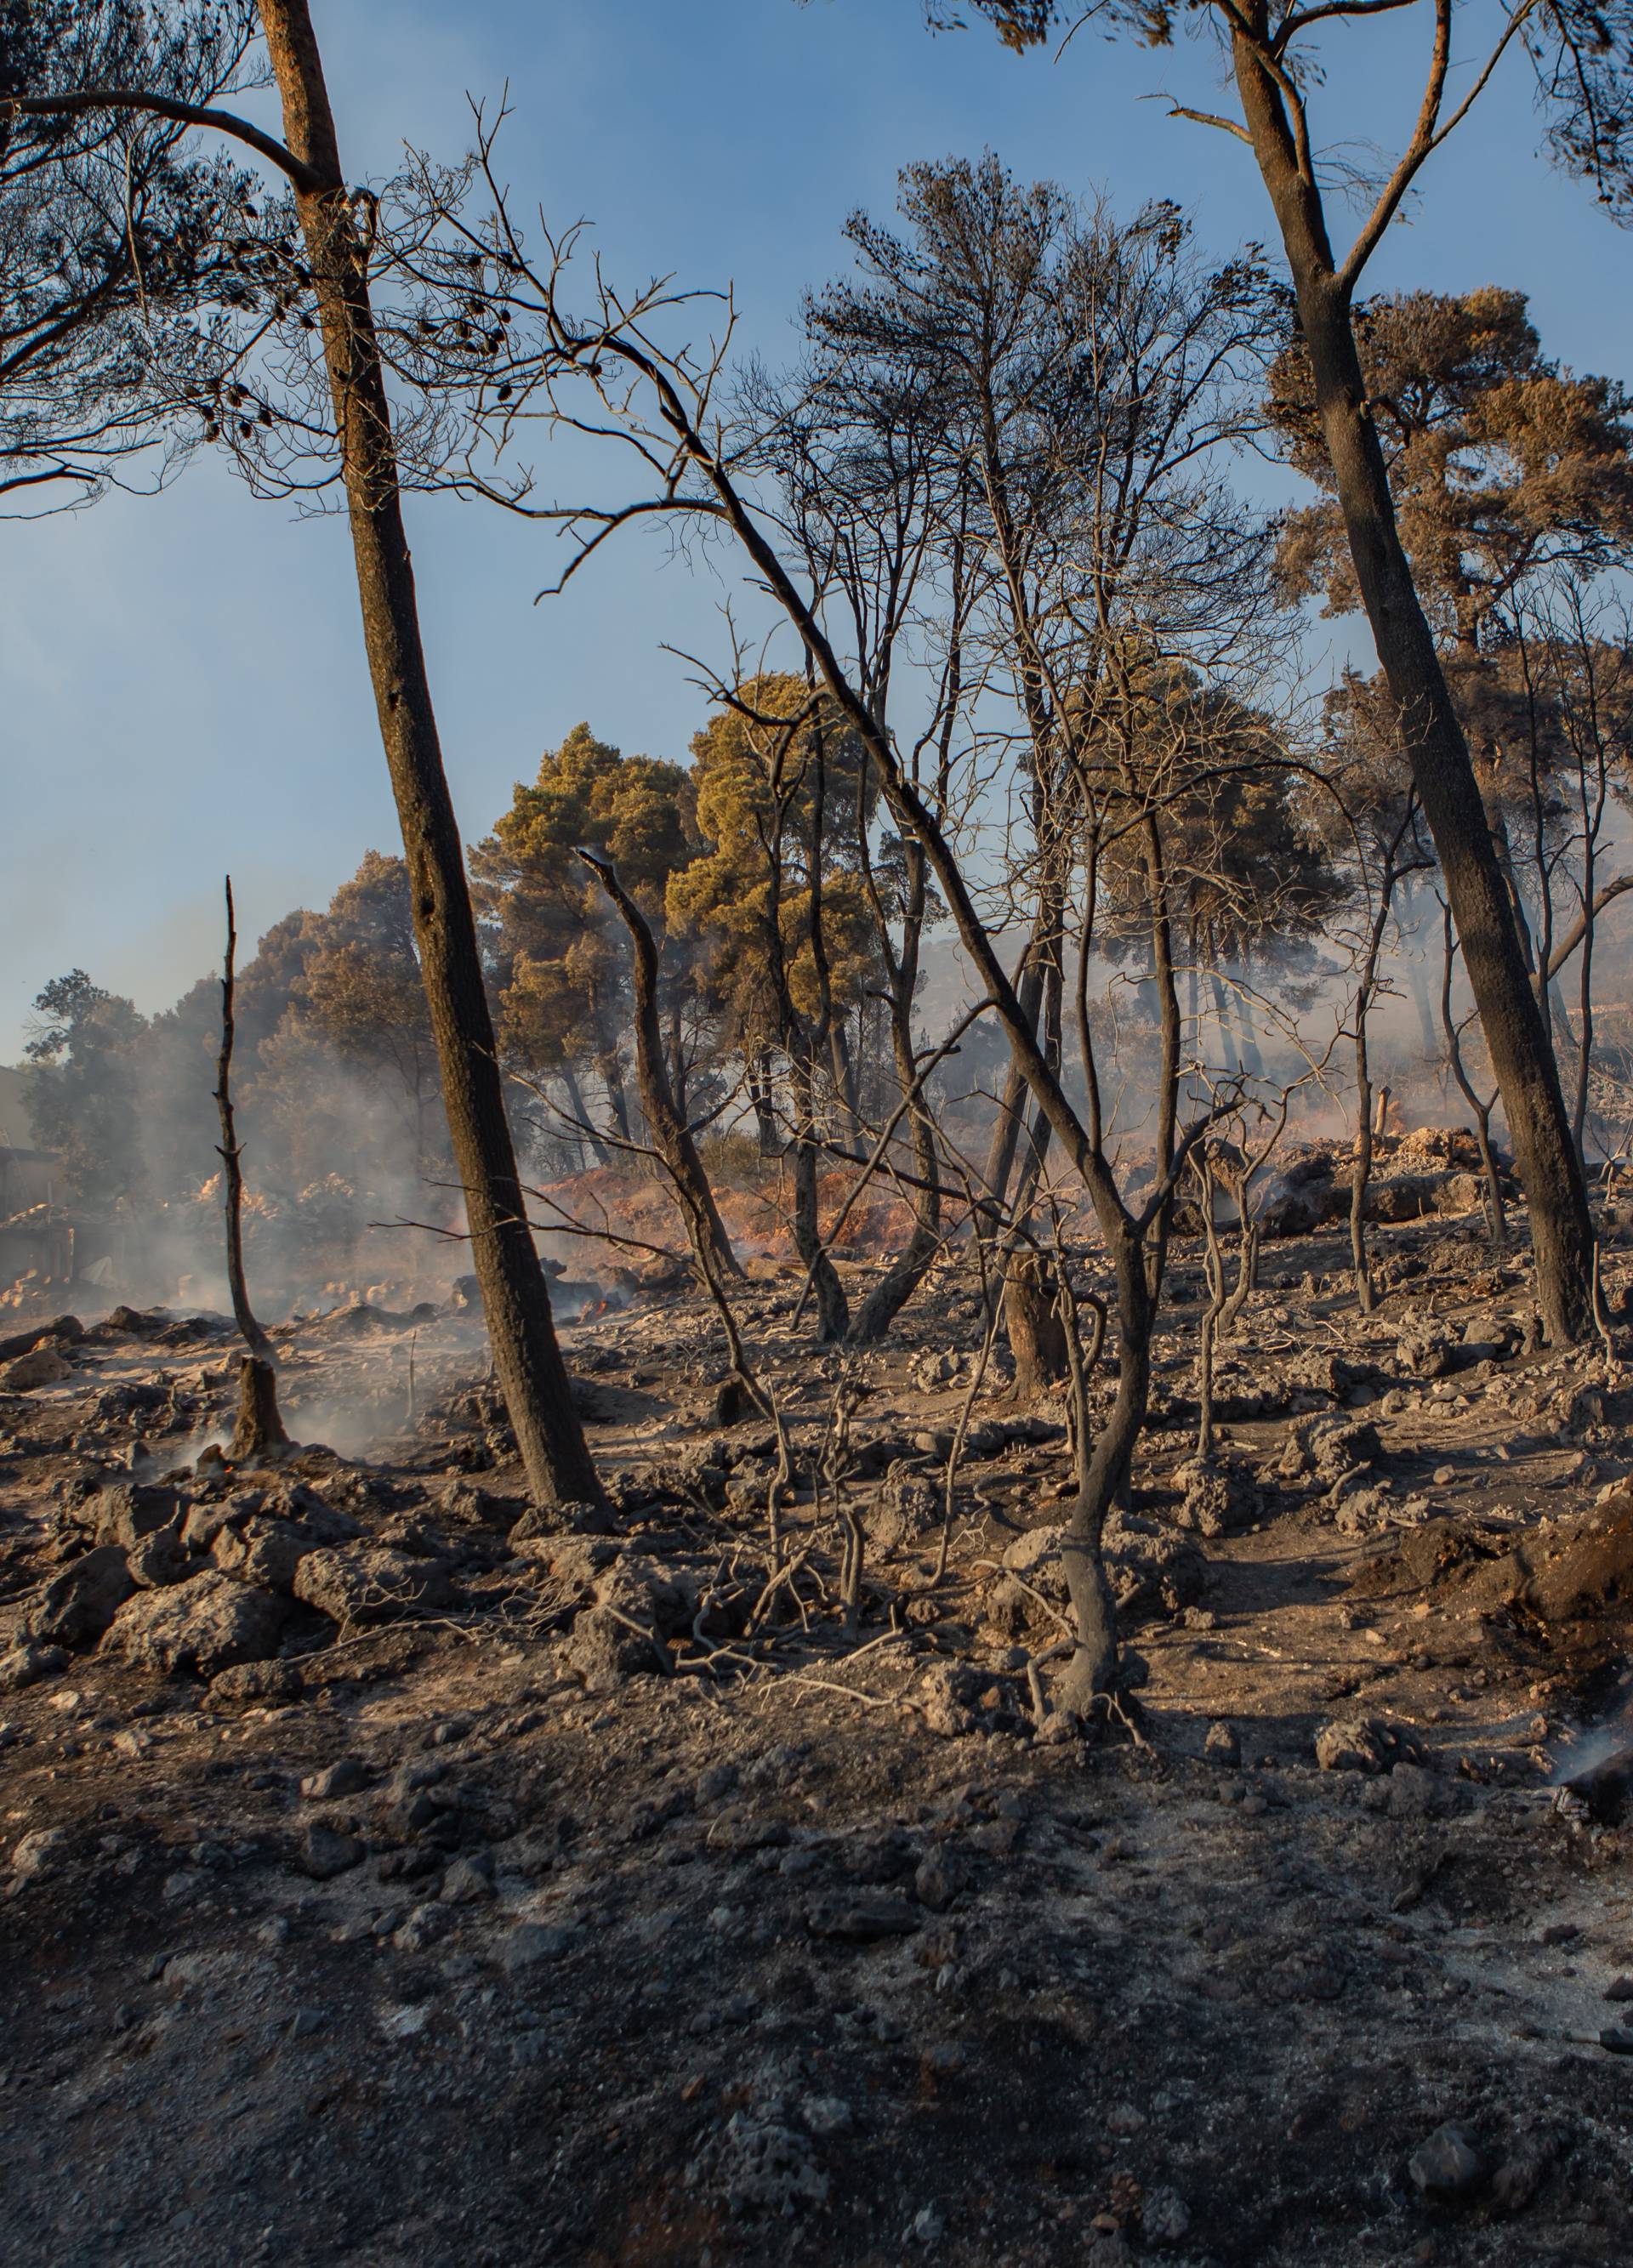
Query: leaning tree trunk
(1527, 1076)
(1011, 1118)
(531, 1374)
(902, 1279)
(259, 1431)
(672, 1137)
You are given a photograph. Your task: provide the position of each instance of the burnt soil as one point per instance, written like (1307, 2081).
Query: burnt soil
(736, 1938)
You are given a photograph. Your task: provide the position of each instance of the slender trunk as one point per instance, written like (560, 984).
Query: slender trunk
(1253, 1060)
(1229, 1046)
(1012, 1106)
(259, 1429)
(231, 1155)
(1527, 1076)
(609, 1070)
(669, 1133)
(833, 1308)
(1585, 1051)
(890, 1294)
(586, 1136)
(1361, 1174)
(760, 1100)
(1496, 1218)
(527, 1358)
(1214, 1269)
(1093, 1669)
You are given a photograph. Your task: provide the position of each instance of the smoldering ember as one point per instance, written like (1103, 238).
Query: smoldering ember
(860, 1494)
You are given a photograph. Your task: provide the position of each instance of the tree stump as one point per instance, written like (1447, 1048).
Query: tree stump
(1036, 1333)
(259, 1434)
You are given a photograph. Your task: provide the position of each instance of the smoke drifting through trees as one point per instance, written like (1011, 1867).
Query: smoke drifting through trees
(1037, 686)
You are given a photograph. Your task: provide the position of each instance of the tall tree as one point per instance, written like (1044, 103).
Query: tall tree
(782, 793)
(331, 221)
(83, 1048)
(1582, 55)
(1501, 465)
(561, 970)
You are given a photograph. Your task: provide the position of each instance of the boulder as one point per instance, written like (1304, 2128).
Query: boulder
(66, 1330)
(125, 1513)
(1447, 2168)
(264, 1551)
(75, 1606)
(369, 1583)
(1150, 1570)
(1364, 1744)
(636, 1604)
(43, 1365)
(206, 1625)
(1221, 1495)
(27, 1664)
(255, 1681)
(161, 1558)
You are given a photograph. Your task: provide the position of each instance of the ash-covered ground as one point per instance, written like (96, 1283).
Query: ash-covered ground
(391, 1875)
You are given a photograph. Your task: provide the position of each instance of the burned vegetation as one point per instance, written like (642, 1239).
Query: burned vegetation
(864, 1498)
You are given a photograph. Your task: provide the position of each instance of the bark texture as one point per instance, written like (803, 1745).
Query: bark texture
(1528, 1076)
(527, 1358)
(1036, 1333)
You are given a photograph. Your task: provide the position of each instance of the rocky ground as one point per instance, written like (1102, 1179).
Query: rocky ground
(393, 1876)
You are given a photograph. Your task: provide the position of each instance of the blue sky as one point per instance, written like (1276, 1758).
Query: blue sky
(182, 678)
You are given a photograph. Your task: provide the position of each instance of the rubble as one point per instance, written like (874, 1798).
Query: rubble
(362, 1783)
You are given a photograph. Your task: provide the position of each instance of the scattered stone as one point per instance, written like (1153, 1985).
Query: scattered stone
(467, 1882)
(1362, 1744)
(255, 1681)
(75, 1606)
(862, 1921)
(325, 1851)
(1219, 1495)
(39, 1853)
(343, 1777)
(1222, 1743)
(425, 1926)
(825, 2115)
(1447, 2168)
(767, 2166)
(1164, 2218)
(206, 1625)
(159, 1559)
(28, 1664)
(372, 1583)
(43, 1367)
(532, 1943)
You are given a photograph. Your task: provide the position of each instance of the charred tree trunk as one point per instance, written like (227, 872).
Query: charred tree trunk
(760, 1100)
(259, 1430)
(1012, 1106)
(833, 1313)
(902, 1279)
(1036, 1333)
(527, 1361)
(1480, 1107)
(672, 1137)
(1207, 1348)
(584, 1127)
(1528, 1076)
(1093, 1669)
